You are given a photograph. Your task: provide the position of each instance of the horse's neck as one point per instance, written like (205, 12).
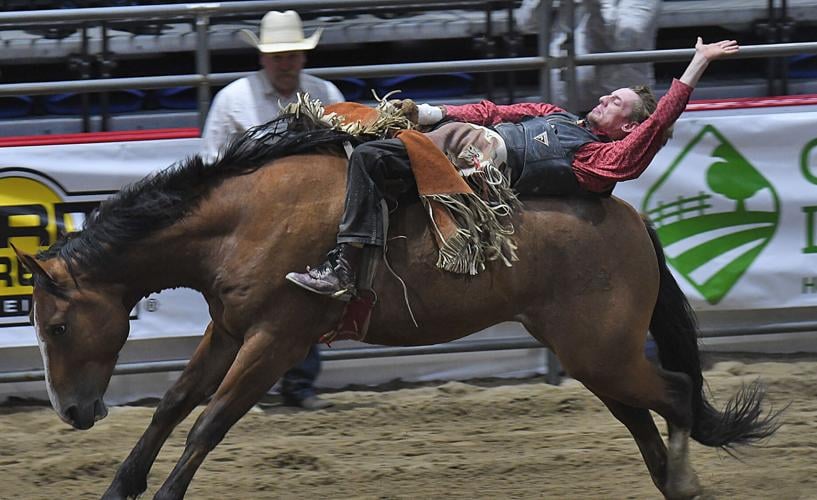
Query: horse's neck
(230, 237)
(170, 258)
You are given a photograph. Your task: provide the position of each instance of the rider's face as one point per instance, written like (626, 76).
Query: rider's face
(284, 70)
(612, 115)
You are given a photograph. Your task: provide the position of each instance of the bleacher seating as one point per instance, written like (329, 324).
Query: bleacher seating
(15, 106)
(353, 89)
(177, 98)
(119, 101)
(427, 86)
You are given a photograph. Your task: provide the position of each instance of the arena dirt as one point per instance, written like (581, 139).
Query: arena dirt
(520, 439)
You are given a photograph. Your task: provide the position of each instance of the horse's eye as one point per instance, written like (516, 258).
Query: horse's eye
(57, 330)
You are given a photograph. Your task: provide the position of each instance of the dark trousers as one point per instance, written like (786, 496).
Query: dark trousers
(298, 383)
(374, 168)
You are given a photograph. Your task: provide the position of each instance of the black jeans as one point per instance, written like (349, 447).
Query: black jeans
(374, 168)
(298, 383)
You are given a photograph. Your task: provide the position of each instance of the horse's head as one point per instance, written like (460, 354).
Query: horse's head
(80, 331)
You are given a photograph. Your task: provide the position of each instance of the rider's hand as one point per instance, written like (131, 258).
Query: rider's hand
(430, 115)
(712, 51)
(409, 109)
(704, 54)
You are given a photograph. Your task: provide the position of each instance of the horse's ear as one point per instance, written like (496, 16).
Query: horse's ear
(30, 263)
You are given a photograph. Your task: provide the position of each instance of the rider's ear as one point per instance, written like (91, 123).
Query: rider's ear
(629, 127)
(30, 263)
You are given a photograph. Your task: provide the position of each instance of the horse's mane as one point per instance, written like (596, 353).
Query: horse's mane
(160, 199)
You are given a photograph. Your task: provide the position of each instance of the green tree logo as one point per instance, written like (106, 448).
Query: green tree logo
(714, 213)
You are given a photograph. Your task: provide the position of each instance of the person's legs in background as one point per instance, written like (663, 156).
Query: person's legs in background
(298, 384)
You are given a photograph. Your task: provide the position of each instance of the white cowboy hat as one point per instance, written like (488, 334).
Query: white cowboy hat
(281, 32)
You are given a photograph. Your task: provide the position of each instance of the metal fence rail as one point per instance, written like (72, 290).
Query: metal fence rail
(193, 10)
(453, 347)
(326, 355)
(381, 70)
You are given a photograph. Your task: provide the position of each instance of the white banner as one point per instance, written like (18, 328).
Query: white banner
(44, 189)
(733, 196)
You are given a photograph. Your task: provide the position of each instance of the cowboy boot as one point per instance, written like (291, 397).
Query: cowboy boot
(335, 277)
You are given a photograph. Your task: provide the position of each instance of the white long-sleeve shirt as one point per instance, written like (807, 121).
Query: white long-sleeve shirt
(251, 101)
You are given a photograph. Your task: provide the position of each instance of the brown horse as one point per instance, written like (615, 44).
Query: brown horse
(590, 281)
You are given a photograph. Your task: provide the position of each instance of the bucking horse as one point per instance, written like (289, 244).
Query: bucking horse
(590, 281)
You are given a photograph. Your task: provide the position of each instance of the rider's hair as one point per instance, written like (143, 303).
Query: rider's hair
(645, 107)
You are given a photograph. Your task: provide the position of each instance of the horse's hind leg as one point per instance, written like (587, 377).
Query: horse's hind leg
(637, 383)
(199, 380)
(642, 426)
(262, 359)
(613, 366)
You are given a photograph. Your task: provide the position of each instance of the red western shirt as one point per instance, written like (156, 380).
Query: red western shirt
(597, 165)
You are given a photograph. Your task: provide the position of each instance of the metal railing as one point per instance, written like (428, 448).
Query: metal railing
(200, 14)
(450, 348)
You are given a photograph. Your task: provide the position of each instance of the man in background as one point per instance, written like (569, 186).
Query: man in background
(257, 99)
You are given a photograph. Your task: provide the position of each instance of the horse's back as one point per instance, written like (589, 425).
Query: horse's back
(581, 261)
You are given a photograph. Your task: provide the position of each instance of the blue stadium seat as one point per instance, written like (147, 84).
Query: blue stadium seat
(803, 66)
(119, 101)
(178, 98)
(427, 86)
(353, 89)
(15, 106)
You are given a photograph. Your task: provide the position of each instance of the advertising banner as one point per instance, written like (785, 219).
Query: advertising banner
(47, 190)
(733, 197)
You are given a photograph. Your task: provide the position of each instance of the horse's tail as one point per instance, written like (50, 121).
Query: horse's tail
(675, 330)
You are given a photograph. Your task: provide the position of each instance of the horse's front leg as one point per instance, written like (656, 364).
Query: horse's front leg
(213, 357)
(262, 359)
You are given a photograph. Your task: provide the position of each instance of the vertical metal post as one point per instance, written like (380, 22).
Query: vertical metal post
(489, 49)
(554, 368)
(543, 44)
(786, 28)
(553, 376)
(203, 65)
(511, 46)
(85, 74)
(773, 63)
(104, 69)
(570, 62)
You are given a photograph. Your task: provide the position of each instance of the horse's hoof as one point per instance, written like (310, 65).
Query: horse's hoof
(688, 491)
(118, 492)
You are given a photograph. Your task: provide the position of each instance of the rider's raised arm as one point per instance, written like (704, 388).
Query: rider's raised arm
(704, 54)
(643, 143)
(488, 113)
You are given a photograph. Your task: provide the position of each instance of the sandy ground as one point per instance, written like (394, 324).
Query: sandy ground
(520, 439)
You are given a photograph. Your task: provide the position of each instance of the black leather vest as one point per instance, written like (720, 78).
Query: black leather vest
(540, 153)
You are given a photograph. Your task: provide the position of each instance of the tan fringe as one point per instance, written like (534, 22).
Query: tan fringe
(481, 236)
(389, 118)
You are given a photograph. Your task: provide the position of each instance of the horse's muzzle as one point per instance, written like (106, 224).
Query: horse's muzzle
(82, 417)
